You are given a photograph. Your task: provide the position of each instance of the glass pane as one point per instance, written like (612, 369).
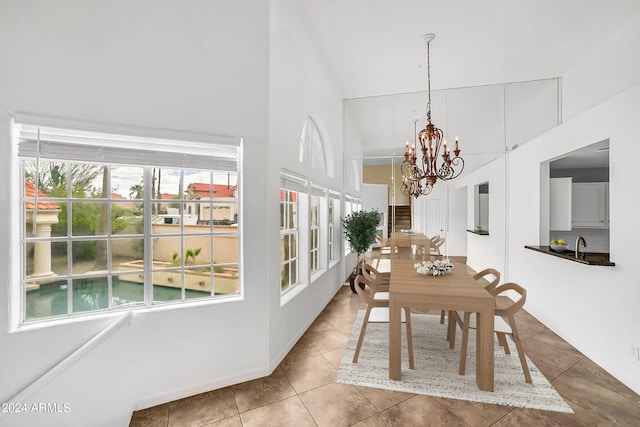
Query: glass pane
(282, 215)
(164, 188)
(88, 180)
(59, 258)
(197, 283)
(286, 247)
(127, 218)
(294, 272)
(90, 294)
(127, 182)
(225, 249)
(89, 219)
(198, 217)
(294, 245)
(127, 254)
(225, 185)
(226, 279)
(51, 178)
(292, 216)
(45, 259)
(225, 216)
(128, 289)
(167, 285)
(46, 299)
(88, 256)
(284, 276)
(197, 251)
(58, 223)
(197, 185)
(167, 252)
(51, 218)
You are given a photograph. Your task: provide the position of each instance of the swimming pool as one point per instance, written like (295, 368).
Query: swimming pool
(90, 294)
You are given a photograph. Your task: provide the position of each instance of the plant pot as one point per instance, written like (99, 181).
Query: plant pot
(352, 280)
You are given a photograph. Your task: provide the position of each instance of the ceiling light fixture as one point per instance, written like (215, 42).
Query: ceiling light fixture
(418, 180)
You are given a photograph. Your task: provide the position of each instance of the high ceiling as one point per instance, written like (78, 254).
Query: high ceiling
(376, 50)
(375, 47)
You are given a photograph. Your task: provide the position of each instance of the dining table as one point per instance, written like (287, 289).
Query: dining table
(454, 290)
(399, 239)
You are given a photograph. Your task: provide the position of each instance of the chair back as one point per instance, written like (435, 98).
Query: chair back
(489, 271)
(371, 272)
(367, 298)
(513, 308)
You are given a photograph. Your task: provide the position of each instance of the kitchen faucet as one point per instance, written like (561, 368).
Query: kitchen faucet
(580, 244)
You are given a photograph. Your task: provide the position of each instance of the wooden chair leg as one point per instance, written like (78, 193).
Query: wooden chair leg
(409, 338)
(502, 340)
(361, 338)
(442, 317)
(463, 344)
(523, 361)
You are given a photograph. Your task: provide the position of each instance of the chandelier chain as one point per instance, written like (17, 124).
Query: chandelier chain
(432, 146)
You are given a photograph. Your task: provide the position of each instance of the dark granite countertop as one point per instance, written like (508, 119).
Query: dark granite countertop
(480, 232)
(590, 258)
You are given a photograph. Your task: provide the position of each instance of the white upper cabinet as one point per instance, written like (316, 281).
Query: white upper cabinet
(590, 205)
(560, 204)
(578, 205)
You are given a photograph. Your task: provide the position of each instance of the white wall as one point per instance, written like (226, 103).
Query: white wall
(161, 65)
(610, 68)
(485, 251)
(300, 86)
(594, 308)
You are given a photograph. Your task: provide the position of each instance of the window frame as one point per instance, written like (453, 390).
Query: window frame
(122, 138)
(333, 226)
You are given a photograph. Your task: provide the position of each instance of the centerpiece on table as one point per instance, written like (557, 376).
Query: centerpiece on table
(436, 268)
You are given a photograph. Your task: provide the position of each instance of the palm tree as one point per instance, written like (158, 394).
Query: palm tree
(136, 191)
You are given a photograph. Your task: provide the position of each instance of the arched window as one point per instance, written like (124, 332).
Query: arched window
(312, 150)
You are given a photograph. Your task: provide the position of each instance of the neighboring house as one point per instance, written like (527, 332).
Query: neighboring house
(127, 204)
(42, 217)
(225, 207)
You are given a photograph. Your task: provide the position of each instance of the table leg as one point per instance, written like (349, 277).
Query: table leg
(395, 333)
(484, 353)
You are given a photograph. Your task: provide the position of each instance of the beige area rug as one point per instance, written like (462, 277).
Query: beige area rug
(436, 372)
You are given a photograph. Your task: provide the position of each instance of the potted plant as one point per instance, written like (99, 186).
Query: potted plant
(360, 231)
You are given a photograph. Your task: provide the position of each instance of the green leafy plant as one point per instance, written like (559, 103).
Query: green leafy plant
(189, 257)
(360, 230)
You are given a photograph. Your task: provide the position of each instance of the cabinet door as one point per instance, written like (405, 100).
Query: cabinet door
(560, 193)
(589, 204)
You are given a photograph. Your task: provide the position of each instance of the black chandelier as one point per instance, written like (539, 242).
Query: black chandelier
(418, 179)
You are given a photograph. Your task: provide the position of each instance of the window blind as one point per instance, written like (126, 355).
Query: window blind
(74, 145)
(291, 181)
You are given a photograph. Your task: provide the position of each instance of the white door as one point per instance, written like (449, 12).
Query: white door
(435, 217)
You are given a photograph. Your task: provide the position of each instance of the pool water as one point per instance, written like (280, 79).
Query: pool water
(92, 294)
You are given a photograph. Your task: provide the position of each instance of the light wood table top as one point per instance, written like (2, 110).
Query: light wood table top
(402, 239)
(455, 290)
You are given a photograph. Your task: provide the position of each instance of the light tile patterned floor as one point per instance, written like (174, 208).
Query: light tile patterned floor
(302, 391)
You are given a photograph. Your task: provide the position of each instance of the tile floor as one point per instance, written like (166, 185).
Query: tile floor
(302, 391)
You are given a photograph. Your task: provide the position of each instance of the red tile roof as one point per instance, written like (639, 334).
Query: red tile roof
(30, 193)
(126, 204)
(219, 190)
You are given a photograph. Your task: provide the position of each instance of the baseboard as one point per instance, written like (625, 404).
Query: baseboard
(192, 390)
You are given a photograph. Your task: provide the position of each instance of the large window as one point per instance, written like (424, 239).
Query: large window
(112, 221)
(314, 232)
(332, 216)
(288, 239)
